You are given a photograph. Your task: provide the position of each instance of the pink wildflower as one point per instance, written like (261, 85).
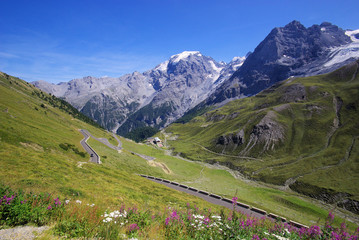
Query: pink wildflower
(133, 227)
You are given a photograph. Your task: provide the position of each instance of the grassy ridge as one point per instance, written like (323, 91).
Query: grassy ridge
(31, 135)
(319, 146)
(32, 159)
(220, 181)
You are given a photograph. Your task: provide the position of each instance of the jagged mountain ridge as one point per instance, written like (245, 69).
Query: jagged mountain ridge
(301, 133)
(182, 82)
(190, 81)
(292, 50)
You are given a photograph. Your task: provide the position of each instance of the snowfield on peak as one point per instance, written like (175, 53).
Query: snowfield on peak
(162, 67)
(215, 68)
(343, 53)
(353, 35)
(238, 59)
(178, 57)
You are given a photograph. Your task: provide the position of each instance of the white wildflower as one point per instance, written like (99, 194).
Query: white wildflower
(78, 201)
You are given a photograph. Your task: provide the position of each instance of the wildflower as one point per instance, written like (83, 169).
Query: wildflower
(174, 215)
(57, 202)
(343, 227)
(167, 221)
(234, 200)
(336, 236)
(255, 237)
(133, 227)
(78, 201)
(49, 207)
(314, 231)
(216, 217)
(331, 216)
(67, 202)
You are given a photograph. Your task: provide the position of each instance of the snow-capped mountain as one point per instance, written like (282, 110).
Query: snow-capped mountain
(293, 50)
(346, 52)
(184, 80)
(189, 79)
(180, 82)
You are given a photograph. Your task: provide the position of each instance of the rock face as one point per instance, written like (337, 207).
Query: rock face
(189, 78)
(106, 100)
(287, 51)
(154, 98)
(268, 133)
(191, 81)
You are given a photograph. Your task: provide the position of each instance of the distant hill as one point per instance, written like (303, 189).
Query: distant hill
(301, 133)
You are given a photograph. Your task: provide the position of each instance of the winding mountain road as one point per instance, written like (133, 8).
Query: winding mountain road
(221, 201)
(94, 157)
(104, 140)
(209, 197)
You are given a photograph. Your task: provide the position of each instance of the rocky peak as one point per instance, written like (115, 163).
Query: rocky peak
(292, 50)
(186, 55)
(294, 26)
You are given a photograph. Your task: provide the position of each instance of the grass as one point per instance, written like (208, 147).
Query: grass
(311, 152)
(76, 219)
(32, 159)
(219, 181)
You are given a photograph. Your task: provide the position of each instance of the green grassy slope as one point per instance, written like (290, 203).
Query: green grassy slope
(31, 158)
(302, 133)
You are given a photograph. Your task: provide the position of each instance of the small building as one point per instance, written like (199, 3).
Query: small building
(155, 141)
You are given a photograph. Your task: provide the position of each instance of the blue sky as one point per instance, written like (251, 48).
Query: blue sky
(62, 40)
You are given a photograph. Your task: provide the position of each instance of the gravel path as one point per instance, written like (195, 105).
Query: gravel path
(22, 233)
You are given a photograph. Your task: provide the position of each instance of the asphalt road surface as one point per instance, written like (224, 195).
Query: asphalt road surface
(104, 140)
(94, 157)
(218, 200)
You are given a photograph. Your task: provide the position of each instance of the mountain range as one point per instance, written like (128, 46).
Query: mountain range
(190, 81)
(169, 90)
(300, 134)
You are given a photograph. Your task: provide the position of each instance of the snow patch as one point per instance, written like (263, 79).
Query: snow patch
(323, 29)
(352, 34)
(184, 55)
(343, 53)
(162, 67)
(215, 68)
(235, 59)
(236, 66)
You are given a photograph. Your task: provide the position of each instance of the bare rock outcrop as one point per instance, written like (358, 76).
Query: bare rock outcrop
(268, 132)
(231, 139)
